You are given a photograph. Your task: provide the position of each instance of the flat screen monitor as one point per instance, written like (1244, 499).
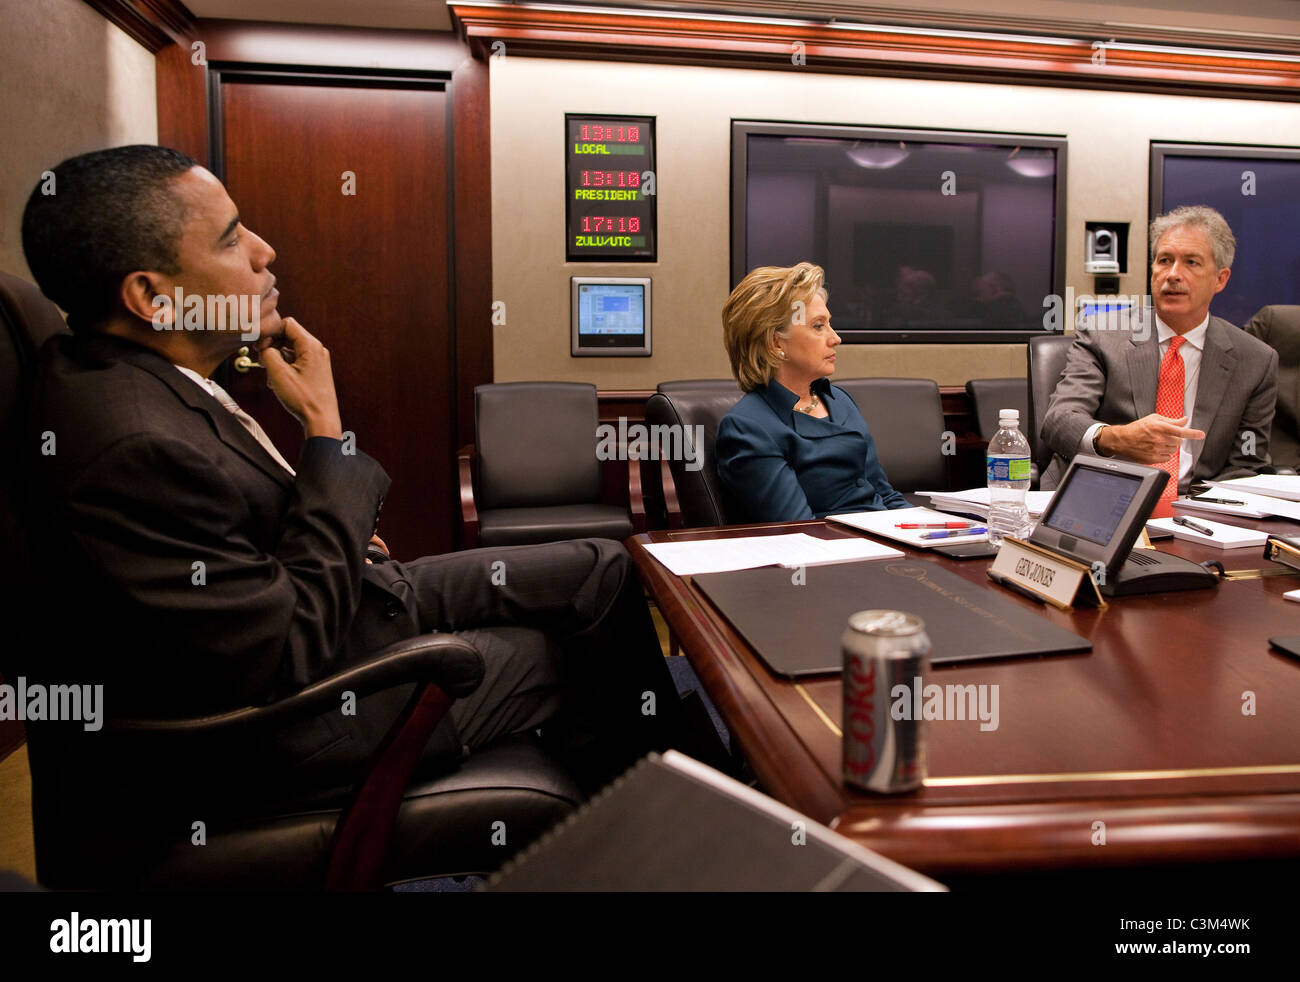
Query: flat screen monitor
(1099, 510)
(925, 235)
(610, 315)
(1257, 189)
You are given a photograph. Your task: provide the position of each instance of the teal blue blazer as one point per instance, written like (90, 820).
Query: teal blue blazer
(781, 465)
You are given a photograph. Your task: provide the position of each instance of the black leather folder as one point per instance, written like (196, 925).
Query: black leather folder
(672, 823)
(795, 622)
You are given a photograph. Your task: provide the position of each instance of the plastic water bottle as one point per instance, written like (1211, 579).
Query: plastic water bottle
(1008, 471)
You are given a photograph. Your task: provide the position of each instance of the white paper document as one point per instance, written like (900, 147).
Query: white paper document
(1274, 485)
(1224, 537)
(976, 501)
(750, 552)
(885, 524)
(1251, 505)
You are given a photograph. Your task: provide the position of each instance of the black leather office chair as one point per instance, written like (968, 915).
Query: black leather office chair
(533, 474)
(385, 829)
(989, 396)
(1046, 355)
(694, 498)
(905, 417)
(1278, 325)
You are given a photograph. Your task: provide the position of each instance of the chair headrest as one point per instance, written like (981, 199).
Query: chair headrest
(26, 309)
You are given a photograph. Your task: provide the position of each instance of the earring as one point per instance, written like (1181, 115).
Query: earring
(781, 352)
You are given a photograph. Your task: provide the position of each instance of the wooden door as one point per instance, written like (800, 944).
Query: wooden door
(366, 272)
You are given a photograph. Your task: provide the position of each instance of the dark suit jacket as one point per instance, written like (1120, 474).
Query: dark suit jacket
(188, 572)
(1111, 376)
(781, 465)
(1278, 326)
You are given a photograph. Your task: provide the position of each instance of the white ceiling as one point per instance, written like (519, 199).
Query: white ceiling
(1241, 22)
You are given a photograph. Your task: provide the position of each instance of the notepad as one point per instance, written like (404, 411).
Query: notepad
(884, 524)
(1285, 486)
(1225, 536)
(976, 501)
(749, 552)
(1252, 505)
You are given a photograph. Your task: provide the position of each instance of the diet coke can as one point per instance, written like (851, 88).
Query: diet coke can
(882, 649)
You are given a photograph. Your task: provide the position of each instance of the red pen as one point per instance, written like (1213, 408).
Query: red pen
(934, 525)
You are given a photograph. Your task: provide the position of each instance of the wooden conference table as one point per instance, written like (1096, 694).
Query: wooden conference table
(1145, 733)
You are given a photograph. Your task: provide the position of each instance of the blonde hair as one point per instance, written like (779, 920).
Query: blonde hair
(760, 307)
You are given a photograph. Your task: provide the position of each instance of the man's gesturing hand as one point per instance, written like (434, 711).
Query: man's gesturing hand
(1150, 440)
(305, 386)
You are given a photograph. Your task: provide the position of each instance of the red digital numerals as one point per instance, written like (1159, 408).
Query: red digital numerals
(611, 179)
(609, 134)
(615, 223)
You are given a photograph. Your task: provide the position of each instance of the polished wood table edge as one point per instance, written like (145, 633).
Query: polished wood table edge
(1077, 834)
(752, 718)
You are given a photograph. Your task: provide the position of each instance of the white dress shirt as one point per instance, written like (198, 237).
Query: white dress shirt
(1191, 355)
(250, 424)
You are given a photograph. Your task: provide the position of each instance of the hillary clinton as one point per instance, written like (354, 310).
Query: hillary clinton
(795, 446)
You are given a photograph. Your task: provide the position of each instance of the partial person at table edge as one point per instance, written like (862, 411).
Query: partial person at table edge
(795, 446)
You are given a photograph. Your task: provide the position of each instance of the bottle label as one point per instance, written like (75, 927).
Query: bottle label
(1008, 468)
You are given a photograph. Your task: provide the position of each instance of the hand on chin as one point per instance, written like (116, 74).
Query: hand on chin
(271, 328)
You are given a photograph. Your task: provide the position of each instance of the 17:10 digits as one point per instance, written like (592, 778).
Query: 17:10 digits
(617, 223)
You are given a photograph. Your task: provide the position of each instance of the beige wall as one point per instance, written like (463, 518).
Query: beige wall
(1107, 178)
(72, 82)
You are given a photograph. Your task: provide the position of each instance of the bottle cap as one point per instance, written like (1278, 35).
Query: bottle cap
(1011, 414)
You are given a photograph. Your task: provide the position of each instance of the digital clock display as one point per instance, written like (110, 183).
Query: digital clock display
(610, 188)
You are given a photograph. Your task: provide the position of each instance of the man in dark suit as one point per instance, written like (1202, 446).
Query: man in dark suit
(1171, 387)
(1278, 326)
(196, 570)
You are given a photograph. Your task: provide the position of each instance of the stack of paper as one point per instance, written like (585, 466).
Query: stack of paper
(752, 551)
(1224, 536)
(976, 501)
(1285, 486)
(1241, 503)
(885, 523)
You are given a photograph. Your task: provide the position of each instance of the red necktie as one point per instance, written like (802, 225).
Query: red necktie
(1169, 402)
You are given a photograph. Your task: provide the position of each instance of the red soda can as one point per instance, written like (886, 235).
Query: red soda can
(882, 649)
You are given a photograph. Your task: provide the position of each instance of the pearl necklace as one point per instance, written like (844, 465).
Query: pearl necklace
(811, 407)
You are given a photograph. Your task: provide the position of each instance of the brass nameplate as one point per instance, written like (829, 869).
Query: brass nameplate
(1044, 574)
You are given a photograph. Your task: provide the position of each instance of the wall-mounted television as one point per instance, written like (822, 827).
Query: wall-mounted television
(925, 235)
(1257, 189)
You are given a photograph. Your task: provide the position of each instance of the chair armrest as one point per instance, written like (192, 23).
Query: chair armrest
(635, 499)
(444, 660)
(672, 507)
(468, 511)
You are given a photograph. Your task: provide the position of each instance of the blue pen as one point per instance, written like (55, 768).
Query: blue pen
(950, 534)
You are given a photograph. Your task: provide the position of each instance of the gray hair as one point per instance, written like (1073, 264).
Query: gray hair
(1222, 241)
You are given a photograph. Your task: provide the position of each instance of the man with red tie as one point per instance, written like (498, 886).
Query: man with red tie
(1172, 387)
